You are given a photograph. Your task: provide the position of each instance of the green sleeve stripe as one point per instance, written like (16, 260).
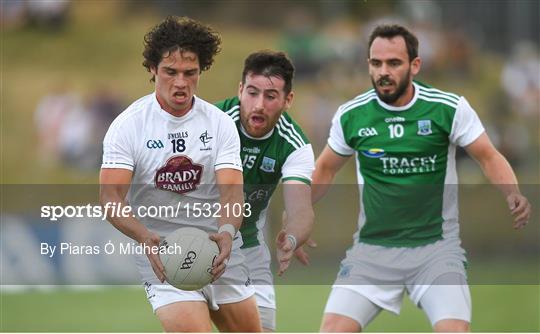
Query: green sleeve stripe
(297, 178)
(287, 137)
(439, 100)
(346, 108)
(368, 94)
(438, 91)
(233, 109)
(291, 130)
(234, 114)
(336, 152)
(439, 96)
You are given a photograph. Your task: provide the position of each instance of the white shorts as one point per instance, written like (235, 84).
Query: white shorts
(233, 286)
(383, 274)
(439, 302)
(258, 261)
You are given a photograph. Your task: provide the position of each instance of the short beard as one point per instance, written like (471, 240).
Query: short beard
(400, 90)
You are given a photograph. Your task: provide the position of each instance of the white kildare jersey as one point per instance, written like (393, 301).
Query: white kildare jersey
(174, 160)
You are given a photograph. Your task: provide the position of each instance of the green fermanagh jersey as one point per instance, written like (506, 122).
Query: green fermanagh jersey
(283, 154)
(405, 158)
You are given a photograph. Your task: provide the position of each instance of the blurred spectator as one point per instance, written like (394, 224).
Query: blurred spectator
(50, 117)
(521, 79)
(458, 55)
(317, 110)
(49, 14)
(303, 43)
(71, 132)
(104, 106)
(343, 43)
(13, 14)
(83, 130)
(425, 22)
(76, 141)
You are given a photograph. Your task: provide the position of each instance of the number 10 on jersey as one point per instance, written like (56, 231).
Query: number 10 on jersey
(396, 130)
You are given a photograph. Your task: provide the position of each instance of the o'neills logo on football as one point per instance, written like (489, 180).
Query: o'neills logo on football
(179, 175)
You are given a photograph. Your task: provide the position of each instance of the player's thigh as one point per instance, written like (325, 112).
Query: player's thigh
(189, 316)
(448, 306)
(241, 316)
(234, 294)
(347, 311)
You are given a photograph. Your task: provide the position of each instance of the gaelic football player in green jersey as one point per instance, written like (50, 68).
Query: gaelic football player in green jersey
(273, 149)
(403, 135)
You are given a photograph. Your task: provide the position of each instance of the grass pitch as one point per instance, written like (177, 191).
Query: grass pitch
(125, 309)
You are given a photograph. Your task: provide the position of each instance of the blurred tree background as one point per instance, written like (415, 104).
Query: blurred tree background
(69, 67)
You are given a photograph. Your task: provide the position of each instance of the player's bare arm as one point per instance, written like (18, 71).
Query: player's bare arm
(114, 185)
(230, 183)
(297, 198)
(326, 167)
(499, 172)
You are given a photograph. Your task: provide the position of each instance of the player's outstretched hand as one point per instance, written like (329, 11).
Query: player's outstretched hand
(285, 250)
(224, 242)
(520, 208)
(151, 240)
(301, 254)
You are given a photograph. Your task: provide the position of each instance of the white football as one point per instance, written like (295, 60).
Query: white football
(190, 268)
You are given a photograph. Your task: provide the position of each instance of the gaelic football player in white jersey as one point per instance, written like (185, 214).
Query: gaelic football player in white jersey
(172, 147)
(274, 150)
(404, 135)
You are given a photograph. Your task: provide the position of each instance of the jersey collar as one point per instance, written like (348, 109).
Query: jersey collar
(405, 107)
(170, 117)
(266, 136)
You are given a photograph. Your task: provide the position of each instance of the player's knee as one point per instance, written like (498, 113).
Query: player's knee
(250, 324)
(238, 317)
(184, 317)
(451, 326)
(183, 327)
(177, 325)
(247, 325)
(334, 323)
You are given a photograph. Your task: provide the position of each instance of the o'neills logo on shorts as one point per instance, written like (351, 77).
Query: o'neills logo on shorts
(179, 175)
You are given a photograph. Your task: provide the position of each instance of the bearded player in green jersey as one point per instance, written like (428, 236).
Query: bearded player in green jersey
(273, 149)
(404, 135)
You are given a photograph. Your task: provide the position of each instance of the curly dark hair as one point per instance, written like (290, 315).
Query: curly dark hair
(391, 31)
(181, 33)
(270, 63)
